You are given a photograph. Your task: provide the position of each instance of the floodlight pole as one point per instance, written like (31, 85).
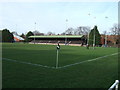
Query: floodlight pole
(88, 39)
(88, 34)
(94, 36)
(94, 40)
(105, 40)
(34, 33)
(65, 33)
(106, 36)
(57, 59)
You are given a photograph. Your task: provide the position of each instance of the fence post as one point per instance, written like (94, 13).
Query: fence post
(116, 87)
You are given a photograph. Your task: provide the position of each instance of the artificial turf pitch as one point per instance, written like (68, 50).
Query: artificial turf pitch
(21, 66)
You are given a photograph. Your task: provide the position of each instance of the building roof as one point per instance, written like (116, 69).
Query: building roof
(17, 38)
(57, 36)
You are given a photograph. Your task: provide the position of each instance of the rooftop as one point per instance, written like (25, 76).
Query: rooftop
(57, 36)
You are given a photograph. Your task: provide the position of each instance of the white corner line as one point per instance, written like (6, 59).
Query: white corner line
(87, 61)
(61, 66)
(28, 63)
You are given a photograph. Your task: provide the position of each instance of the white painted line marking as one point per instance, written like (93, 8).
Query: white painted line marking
(87, 61)
(28, 63)
(61, 66)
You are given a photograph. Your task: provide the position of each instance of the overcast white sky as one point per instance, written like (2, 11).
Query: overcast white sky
(51, 16)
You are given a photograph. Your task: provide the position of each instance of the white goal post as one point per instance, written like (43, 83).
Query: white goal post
(115, 85)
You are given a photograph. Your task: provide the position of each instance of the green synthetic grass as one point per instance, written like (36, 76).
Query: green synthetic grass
(96, 74)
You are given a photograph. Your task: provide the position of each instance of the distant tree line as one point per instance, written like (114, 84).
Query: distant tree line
(82, 30)
(115, 34)
(7, 36)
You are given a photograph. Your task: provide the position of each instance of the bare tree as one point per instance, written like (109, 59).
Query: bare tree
(82, 30)
(115, 33)
(114, 29)
(104, 32)
(50, 33)
(69, 31)
(76, 32)
(36, 32)
(86, 30)
(63, 33)
(15, 33)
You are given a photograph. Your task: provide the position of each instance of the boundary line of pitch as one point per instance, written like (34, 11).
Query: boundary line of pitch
(28, 63)
(87, 60)
(61, 66)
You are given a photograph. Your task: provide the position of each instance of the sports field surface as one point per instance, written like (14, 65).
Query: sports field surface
(34, 66)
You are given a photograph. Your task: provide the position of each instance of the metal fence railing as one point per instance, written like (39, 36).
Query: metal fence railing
(115, 85)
